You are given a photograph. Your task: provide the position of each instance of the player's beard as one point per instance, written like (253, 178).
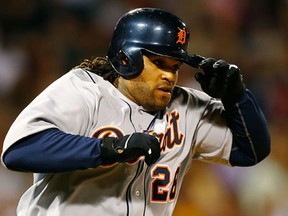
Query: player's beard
(151, 96)
(152, 100)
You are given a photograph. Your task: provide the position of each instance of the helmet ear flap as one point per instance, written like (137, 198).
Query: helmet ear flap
(128, 61)
(122, 57)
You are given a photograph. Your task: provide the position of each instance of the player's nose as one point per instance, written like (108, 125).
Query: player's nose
(169, 76)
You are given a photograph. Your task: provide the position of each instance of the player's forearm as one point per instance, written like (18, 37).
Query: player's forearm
(53, 151)
(251, 138)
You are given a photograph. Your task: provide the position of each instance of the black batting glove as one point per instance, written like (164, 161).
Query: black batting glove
(129, 148)
(221, 80)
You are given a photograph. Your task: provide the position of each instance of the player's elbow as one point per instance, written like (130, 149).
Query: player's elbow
(262, 148)
(249, 158)
(265, 151)
(249, 152)
(13, 159)
(10, 160)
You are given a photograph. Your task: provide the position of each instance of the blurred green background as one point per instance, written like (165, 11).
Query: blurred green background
(41, 40)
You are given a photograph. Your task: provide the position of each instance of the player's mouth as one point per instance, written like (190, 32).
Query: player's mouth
(165, 89)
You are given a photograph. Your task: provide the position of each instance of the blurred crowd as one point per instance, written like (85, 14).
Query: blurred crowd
(41, 40)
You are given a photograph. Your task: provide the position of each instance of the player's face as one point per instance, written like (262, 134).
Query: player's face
(153, 88)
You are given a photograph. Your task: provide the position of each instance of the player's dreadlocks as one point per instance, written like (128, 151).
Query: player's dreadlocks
(100, 66)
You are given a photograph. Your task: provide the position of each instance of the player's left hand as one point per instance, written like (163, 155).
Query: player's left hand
(220, 80)
(129, 148)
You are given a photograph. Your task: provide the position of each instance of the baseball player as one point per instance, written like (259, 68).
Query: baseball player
(116, 135)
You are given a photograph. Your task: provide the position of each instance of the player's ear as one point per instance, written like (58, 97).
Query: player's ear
(123, 58)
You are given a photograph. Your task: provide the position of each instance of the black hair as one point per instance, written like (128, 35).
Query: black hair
(100, 66)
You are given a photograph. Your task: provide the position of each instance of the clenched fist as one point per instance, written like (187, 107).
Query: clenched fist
(129, 148)
(220, 80)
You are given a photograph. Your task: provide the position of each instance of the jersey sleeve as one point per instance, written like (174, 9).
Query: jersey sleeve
(61, 105)
(63, 152)
(212, 141)
(251, 136)
(234, 134)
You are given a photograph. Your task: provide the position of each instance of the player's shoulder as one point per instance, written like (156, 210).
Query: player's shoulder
(80, 82)
(83, 79)
(189, 97)
(192, 94)
(84, 75)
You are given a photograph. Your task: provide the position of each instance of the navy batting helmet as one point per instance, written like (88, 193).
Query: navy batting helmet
(150, 29)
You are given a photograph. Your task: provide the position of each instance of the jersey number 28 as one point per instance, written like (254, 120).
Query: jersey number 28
(160, 191)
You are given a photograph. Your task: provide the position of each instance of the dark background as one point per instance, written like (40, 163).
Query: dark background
(41, 40)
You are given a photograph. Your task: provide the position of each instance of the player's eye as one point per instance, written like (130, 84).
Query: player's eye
(162, 65)
(176, 67)
(158, 63)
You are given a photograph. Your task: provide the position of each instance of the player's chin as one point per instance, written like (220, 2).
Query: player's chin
(158, 102)
(162, 102)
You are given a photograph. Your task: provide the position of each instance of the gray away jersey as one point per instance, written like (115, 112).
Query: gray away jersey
(191, 127)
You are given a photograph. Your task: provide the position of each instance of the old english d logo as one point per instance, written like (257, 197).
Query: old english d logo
(181, 36)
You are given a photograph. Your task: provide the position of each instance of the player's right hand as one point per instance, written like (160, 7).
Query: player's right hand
(221, 80)
(129, 148)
